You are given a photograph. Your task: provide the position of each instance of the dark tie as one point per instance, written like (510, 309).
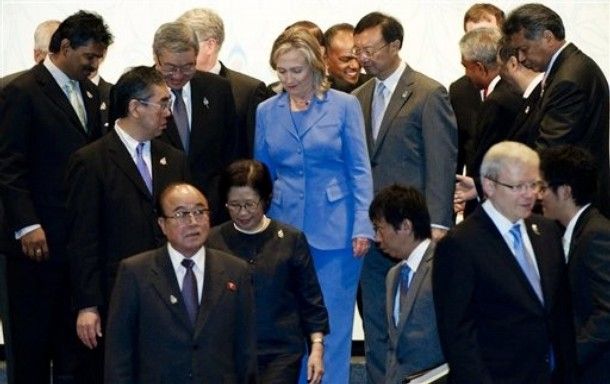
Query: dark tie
(525, 262)
(189, 290)
(143, 168)
(181, 118)
(405, 272)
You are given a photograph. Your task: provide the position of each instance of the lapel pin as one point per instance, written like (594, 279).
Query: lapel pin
(405, 94)
(89, 95)
(280, 234)
(527, 109)
(163, 161)
(231, 286)
(206, 103)
(172, 299)
(535, 229)
(103, 106)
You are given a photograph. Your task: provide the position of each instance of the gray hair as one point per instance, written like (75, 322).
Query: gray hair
(481, 44)
(206, 23)
(504, 153)
(43, 33)
(175, 37)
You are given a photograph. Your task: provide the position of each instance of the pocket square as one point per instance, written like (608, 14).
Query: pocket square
(231, 286)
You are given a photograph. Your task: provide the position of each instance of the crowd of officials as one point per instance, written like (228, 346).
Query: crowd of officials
(190, 224)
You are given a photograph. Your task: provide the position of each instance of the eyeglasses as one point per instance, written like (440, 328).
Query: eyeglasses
(171, 70)
(184, 217)
(367, 52)
(163, 105)
(534, 186)
(249, 206)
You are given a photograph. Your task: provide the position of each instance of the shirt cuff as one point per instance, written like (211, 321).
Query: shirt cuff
(25, 230)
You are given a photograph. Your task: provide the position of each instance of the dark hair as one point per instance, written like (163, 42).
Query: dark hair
(534, 19)
(573, 166)
(136, 83)
(480, 10)
(396, 203)
(391, 29)
(506, 50)
(311, 27)
(331, 32)
(247, 173)
(79, 29)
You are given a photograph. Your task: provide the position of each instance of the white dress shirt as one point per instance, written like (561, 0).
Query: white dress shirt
(198, 268)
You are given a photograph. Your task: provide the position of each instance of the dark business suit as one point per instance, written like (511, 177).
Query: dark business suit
(213, 137)
(492, 326)
(573, 109)
(523, 130)
(150, 338)
(416, 146)
(104, 88)
(248, 93)
(588, 268)
(494, 123)
(466, 103)
(39, 130)
(8, 78)
(414, 343)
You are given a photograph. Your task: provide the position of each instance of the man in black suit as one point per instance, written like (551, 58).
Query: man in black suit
(574, 105)
(182, 313)
(247, 91)
(466, 99)
(569, 175)
(46, 115)
(103, 88)
(203, 111)
(499, 283)
(111, 210)
(344, 70)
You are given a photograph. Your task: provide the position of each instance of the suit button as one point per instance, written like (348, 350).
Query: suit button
(301, 196)
(251, 261)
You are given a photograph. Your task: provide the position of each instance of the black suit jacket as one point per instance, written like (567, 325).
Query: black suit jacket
(39, 130)
(150, 339)
(573, 109)
(248, 93)
(494, 123)
(466, 102)
(589, 271)
(8, 78)
(104, 88)
(213, 139)
(523, 130)
(111, 213)
(492, 326)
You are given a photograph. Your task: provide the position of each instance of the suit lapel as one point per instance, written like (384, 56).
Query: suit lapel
(91, 108)
(367, 100)
(314, 114)
(165, 283)
(160, 169)
(578, 229)
(391, 288)
(420, 275)
(402, 93)
(120, 156)
(284, 119)
(54, 92)
(214, 286)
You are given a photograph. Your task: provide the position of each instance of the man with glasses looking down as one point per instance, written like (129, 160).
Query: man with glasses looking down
(112, 187)
(203, 110)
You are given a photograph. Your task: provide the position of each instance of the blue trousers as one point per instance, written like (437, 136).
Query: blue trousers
(338, 272)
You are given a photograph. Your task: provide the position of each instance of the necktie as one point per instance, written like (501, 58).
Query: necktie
(143, 168)
(189, 290)
(403, 287)
(525, 262)
(72, 92)
(181, 118)
(378, 108)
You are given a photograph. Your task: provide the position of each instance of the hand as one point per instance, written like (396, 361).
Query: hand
(360, 246)
(315, 363)
(89, 326)
(464, 189)
(34, 245)
(438, 233)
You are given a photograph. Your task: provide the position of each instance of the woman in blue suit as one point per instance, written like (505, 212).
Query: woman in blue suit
(312, 139)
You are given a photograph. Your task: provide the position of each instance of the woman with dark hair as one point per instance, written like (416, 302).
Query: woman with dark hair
(289, 305)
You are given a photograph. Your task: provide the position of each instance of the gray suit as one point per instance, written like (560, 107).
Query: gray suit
(416, 146)
(413, 345)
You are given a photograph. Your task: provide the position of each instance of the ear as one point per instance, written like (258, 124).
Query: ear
(64, 46)
(161, 222)
(132, 108)
(564, 192)
(406, 225)
(489, 186)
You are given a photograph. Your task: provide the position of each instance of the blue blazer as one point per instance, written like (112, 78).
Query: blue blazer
(322, 180)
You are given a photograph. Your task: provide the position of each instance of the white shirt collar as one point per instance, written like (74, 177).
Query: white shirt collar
(129, 142)
(216, 68)
(176, 258)
(416, 256)
(532, 85)
(492, 84)
(502, 223)
(550, 66)
(60, 77)
(392, 81)
(567, 235)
